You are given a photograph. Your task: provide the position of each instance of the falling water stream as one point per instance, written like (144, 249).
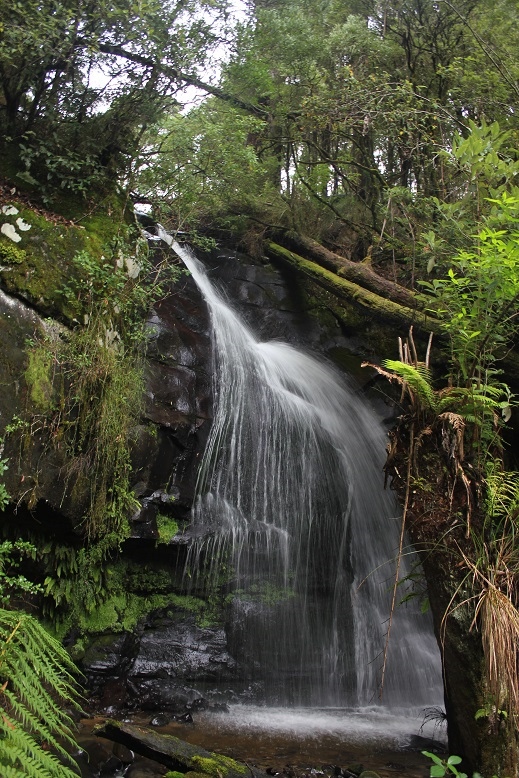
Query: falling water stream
(292, 513)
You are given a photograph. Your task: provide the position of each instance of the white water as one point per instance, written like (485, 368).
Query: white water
(360, 727)
(293, 512)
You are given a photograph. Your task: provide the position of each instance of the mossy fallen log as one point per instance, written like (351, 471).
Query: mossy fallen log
(377, 306)
(357, 272)
(173, 753)
(374, 306)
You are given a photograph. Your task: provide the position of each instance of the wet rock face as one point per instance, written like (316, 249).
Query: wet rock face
(178, 406)
(271, 301)
(172, 659)
(162, 666)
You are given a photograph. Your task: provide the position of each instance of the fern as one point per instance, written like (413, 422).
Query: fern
(502, 493)
(417, 379)
(470, 402)
(37, 682)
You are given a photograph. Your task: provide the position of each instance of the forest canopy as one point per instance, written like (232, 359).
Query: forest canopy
(335, 118)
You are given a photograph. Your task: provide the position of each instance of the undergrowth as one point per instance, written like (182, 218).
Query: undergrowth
(86, 388)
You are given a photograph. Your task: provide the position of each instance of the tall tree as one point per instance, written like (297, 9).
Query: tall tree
(79, 81)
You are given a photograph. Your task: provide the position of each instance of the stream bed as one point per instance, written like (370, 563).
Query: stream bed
(292, 742)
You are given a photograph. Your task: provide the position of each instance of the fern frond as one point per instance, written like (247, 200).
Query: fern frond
(8, 771)
(502, 492)
(51, 652)
(29, 686)
(418, 380)
(475, 405)
(456, 420)
(36, 677)
(457, 424)
(33, 724)
(32, 760)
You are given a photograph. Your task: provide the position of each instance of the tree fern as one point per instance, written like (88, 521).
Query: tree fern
(37, 682)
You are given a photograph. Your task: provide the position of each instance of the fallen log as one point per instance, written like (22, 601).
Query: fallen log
(375, 306)
(357, 272)
(173, 753)
(379, 307)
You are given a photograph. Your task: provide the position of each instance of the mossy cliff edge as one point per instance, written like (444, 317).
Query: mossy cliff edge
(91, 427)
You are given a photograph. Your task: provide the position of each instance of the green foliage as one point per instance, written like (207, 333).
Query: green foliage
(65, 169)
(501, 494)
(90, 593)
(106, 384)
(443, 767)
(417, 378)
(199, 169)
(166, 527)
(477, 297)
(71, 133)
(477, 407)
(447, 766)
(37, 679)
(12, 583)
(78, 580)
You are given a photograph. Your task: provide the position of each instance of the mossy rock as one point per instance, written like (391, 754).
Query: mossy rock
(40, 266)
(189, 774)
(10, 254)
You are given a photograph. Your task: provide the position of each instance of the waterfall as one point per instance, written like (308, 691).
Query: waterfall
(292, 516)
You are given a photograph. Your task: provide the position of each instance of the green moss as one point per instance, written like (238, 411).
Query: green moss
(40, 266)
(217, 765)
(121, 611)
(174, 774)
(38, 377)
(176, 601)
(45, 265)
(363, 299)
(141, 578)
(266, 592)
(167, 528)
(10, 253)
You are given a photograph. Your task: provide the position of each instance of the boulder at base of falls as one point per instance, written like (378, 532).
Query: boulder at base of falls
(174, 753)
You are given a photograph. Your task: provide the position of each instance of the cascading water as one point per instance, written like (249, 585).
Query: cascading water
(290, 506)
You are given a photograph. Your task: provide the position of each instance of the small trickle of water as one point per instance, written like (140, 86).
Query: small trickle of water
(293, 513)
